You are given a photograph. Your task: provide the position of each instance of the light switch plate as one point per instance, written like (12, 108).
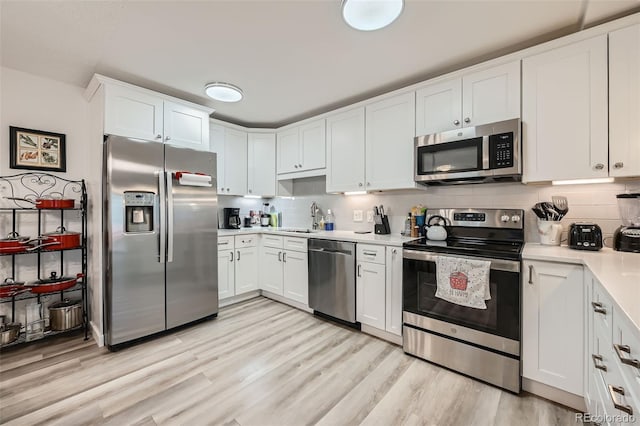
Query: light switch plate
(369, 216)
(357, 215)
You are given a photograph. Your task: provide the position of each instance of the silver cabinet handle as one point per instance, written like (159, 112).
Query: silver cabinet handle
(467, 120)
(597, 307)
(456, 122)
(167, 138)
(279, 256)
(623, 359)
(169, 217)
(394, 251)
(227, 189)
(597, 358)
(295, 165)
(530, 274)
(284, 257)
(249, 191)
(231, 253)
(368, 183)
(618, 165)
(238, 256)
(369, 253)
(359, 268)
(599, 166)
(360, 184)
(620, 390)
(158, 136)
(224, 243)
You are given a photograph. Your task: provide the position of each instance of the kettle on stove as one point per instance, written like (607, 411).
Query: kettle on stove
(437, 231)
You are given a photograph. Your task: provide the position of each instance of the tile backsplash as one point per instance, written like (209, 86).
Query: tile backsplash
(587, 203)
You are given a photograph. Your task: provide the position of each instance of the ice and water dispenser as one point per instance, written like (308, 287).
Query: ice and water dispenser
(139, 206)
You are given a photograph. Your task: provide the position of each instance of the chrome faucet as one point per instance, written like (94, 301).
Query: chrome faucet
(314, 215)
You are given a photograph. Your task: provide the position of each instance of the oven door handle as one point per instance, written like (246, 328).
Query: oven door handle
(496, 264)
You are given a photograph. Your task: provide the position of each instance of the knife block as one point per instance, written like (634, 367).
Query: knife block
(382, 228)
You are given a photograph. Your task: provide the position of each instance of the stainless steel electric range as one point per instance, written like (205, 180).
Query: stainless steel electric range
(482, 343)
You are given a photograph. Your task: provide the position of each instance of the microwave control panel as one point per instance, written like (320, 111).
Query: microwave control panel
(501, 149)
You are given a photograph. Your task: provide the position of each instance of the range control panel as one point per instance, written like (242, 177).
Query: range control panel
(501, 150)
(469, 217)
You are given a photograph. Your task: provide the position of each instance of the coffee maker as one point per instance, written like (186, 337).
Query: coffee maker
(231, 218)
(627, 237)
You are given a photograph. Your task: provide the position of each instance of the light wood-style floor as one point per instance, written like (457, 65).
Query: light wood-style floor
(259, 363)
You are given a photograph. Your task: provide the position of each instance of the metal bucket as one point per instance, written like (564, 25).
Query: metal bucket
(65, 315)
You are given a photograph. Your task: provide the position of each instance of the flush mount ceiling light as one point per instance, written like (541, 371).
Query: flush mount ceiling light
(223, 92)
(370, 15)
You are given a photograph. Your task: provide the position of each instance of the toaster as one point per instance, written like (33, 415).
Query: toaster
(585, 236)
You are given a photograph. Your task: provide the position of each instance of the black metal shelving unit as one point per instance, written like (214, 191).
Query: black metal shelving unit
(32, 186)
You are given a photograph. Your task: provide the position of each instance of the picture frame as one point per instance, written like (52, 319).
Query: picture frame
(37, 150)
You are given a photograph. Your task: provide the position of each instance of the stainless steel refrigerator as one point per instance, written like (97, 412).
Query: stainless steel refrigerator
(160, 237)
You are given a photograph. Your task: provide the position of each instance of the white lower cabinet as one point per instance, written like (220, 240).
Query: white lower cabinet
(237, 265)
(284, 268)
(246, 269)
(370, 294)
(226, 273)
(394, 290)
(296, 276)
(553, 325)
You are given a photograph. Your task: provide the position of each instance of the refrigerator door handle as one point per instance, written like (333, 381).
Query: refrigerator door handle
(162, 195)
(169, 217)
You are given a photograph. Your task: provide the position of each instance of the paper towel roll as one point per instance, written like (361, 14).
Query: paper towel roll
(190, 179)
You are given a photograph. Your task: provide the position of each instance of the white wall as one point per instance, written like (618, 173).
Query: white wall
(594, 202)
(40, 103)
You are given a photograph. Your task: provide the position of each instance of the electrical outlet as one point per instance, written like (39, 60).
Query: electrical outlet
(357, 215)
(369, 216)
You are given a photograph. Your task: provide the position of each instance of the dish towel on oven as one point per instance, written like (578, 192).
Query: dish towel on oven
(463, 281)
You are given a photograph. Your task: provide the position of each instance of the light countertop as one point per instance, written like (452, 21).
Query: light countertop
(618, 272)
(386, 240)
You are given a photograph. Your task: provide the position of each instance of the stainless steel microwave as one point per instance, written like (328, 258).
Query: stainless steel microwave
(486, 153)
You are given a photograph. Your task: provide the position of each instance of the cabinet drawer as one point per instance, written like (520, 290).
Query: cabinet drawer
(601, 307)
(626, 351)
(295, 244)
(624, 395)
(274, 241)
(225, 243)
(370, 253)
(246, 241)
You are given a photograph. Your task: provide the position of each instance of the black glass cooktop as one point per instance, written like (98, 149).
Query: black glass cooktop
(470, 247)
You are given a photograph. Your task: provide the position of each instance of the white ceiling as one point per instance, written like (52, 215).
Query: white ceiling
(292, 58)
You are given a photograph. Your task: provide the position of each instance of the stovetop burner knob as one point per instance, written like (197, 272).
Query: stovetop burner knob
(505, 218)
(515, 218)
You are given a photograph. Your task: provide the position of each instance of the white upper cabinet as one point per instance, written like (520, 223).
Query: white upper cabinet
(439, 107)
(491, 95)
(564, 112)
(142, 114)
(185, 126)
(133, 114)
(476, 98)
(389, 137)
(624, 102)
(230, 145)
(302, 149)
(345, 151)
(261, 165)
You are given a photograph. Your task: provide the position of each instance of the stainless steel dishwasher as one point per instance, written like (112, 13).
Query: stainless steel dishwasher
(332, 279)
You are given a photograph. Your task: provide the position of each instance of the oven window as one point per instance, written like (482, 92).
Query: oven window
(502, 316)
(458, 156)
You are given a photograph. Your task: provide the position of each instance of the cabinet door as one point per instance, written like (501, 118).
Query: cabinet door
(345, 151)
(564, 112)
(296, 277)
(624, 102)
(370, 294)
(313, 146)
(261, 166)
(553, 325)
(439, 107)
(394, 290)
(226, 274)
(491, 95)
(133, 114)
(235, 162)
(271, 275)
(288, 151)
(246, 269)
(389, 143)
(216, 144)
(185, 126)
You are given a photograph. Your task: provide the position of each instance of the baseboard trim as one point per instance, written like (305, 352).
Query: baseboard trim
(97, 336)
(286, 301)
(239, 298)
(382, 334)
(559, 396)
